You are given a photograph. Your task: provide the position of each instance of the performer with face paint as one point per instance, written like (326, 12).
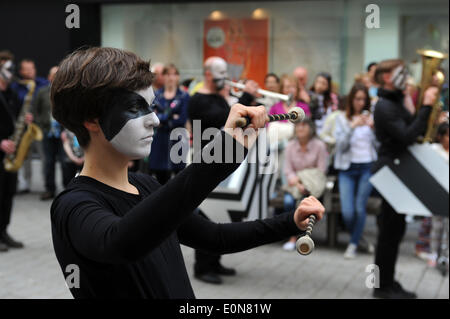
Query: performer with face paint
(10, 107)
(396, 128)
(212, 109)
(123, 230)
(207, 105)
(129, 124)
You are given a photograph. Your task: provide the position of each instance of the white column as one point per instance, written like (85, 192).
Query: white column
(384, 42)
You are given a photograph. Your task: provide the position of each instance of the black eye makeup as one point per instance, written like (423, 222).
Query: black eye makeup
(142, 108)
(123, 106)
(133, 109)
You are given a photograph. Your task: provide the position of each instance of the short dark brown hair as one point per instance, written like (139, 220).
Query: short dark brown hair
(273, 75)
(312, 126)
(385, 67)
(169, 67)
(84, 80)
(26, 60)
(5, 55)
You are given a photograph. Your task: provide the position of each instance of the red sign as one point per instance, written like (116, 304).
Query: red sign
(243, 43)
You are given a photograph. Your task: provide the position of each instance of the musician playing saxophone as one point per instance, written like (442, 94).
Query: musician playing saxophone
(27, 72)
(10, 108)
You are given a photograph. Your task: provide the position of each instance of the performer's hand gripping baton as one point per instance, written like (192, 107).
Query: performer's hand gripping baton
(295, 115)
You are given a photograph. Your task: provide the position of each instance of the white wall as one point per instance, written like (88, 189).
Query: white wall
(384, 42)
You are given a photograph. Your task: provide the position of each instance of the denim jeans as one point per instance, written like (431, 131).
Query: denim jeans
(288, 204)
(354, 189)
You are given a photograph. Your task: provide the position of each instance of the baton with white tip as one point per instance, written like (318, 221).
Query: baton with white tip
(295, 115)
(305, 244)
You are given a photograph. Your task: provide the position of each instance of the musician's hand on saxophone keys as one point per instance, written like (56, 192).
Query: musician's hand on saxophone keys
(29, 118)
(8, 146)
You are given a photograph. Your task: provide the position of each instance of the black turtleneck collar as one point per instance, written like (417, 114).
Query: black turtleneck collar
(395, 96)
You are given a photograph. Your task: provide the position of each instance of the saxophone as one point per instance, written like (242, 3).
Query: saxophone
(431, 75)
(23, 135)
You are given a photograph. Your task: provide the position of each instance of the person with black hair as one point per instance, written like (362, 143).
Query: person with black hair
(271, 83)
(323, 100)
(373, 87)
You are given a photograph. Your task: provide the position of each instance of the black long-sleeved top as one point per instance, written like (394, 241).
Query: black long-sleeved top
(128, 246)
(395, 127)
(9, 110)
(212, 110)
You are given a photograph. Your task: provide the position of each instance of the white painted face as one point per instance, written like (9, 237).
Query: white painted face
(135, 138)
(399, 77)
(6, 71)
(219, 72)
(130, 127)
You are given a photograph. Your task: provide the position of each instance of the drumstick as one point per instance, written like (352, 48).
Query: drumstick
(295, 115)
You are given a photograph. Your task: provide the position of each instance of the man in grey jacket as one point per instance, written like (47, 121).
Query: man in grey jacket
(51, 129)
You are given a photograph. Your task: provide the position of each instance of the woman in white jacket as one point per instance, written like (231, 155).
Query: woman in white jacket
(355, 153)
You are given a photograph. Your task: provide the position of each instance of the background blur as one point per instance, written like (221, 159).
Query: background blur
(255, 38)
(322, 35)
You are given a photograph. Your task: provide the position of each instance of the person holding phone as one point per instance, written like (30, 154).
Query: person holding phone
(355, 153)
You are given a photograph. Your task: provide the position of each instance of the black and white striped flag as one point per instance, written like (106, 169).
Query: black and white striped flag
(415, 183)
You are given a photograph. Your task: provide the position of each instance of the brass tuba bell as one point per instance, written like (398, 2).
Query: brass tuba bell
(431, 76)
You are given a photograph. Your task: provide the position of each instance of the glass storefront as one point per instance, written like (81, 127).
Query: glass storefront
(277, 36)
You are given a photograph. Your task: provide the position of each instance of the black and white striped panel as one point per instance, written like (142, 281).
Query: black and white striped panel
(416, 183)
(244, 195)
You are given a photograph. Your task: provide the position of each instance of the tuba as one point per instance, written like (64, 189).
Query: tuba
(431, 76)
(23, 135)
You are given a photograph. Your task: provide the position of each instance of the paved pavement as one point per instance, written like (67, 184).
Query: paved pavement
(264, 272)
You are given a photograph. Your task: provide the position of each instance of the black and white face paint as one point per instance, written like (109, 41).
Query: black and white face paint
(7, 71)
(129, 122)
(399, 77)
(219, 72)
